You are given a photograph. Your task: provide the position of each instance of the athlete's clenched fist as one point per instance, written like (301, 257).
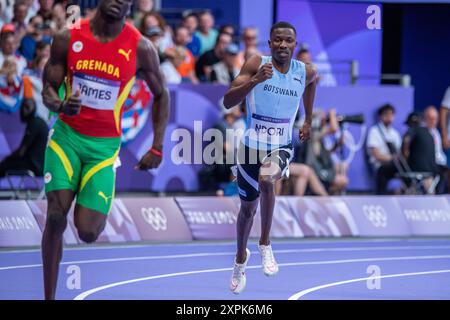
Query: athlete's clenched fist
(264, 73)
(71, 106)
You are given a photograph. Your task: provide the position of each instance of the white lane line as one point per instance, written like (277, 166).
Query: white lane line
(302, 293)
(300, 241)
(229, 253)
(87, 293)
(207, 254)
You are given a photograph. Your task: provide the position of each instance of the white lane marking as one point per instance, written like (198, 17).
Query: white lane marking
(208, 254)
(83, 247)
(302, 293)
(87, 293)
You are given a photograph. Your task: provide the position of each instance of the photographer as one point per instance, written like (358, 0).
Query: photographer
(383, 146)
(314, 154)
(419, 148)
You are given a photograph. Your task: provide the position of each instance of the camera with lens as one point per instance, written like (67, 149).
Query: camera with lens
(354, 118)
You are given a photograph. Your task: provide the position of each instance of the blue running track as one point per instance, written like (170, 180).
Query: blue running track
(309, 269)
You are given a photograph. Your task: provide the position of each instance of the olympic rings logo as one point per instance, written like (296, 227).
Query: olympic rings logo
(376, 215)
(155, 217)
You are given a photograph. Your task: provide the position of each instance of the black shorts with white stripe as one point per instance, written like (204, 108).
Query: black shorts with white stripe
(249, 162)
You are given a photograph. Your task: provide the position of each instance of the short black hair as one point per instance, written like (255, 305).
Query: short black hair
(384, 108)
(222, 34)
(282, 24)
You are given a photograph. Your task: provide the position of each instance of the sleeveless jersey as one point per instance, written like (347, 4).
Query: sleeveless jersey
(104, 73)
(272, 106)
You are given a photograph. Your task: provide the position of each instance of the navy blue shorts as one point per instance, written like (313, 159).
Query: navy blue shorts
(249, 162)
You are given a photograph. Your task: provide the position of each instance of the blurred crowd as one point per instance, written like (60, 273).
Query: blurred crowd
(197, 51)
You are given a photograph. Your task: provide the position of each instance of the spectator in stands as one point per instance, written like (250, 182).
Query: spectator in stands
(304, 55)
(6, 12)
(444, 116)
(174, 57)
(35, 34)
(190, 21)
(383, 147)
(32, 79)
(186, 68)
(8, 48)
(225, 71)
(301, 178)
(152, 20)
(155, 34)
(30, 154)
(11, 93)
(33, 7)
(227, 28)
(59, 16)
(316, 155)
(418, 148)
(218, 176)
(206, 33)
(203, 67)
(19, 19)
(46, 9)
(431, 119)
(250, 40)
(143, 7)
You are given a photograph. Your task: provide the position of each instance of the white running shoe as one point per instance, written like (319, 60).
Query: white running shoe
(270, 266)
(238, 278)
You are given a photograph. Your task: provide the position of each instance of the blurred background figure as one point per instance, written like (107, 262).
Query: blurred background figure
(186, 67)
(418, 149)
(250, 40)
(225, 71)
(203, 67)
(206, 32)
(46, 10)
(153, 20)
(35, 34)
(383, 146)
(444, 124)
(431, 119)
(11, 86)
(301, 178)
(142, 8)
(8, 46)
(218, 177)
(228, 28)
(190, 21)
(31, 152)
(20, 19)
(318, 157)
(303, 54)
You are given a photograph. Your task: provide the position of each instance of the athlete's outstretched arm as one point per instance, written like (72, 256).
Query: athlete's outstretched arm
(54, 73)
(247, 79)
(148, 67)
(308, 100)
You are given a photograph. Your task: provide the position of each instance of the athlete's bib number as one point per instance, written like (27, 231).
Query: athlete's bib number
(96, 93)
(269, 130)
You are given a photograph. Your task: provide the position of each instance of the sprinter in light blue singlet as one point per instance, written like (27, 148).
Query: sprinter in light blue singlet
(273, 87)
(272, 106)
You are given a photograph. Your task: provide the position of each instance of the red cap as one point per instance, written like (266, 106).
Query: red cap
(8, 28)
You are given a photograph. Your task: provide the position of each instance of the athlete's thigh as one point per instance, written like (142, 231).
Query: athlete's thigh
(62, 167)
(59, 202)
(97, 187)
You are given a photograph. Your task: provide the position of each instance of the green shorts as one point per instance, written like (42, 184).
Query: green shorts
(83, 164)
